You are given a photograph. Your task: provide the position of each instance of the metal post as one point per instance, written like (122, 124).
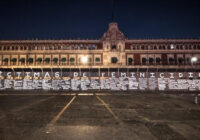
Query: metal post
(196, 99)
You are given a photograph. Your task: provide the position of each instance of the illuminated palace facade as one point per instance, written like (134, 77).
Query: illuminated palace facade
(112, 51)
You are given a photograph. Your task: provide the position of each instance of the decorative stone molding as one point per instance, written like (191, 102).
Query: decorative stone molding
(113, 33)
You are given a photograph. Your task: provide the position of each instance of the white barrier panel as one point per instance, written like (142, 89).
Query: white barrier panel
(112, 81)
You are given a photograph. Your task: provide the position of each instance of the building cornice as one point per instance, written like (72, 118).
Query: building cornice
(162, 40)
(99, 41)
(49, 41)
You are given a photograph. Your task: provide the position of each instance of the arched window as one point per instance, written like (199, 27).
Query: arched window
(150, 60)
(158, 60)
(130, 61)
(5, 59)
(188, 60)
(114, 47)
(164, 47)
(47, 60)
(97, 59)
(171, 60)
(72, 60)
(142, 47)
(22, 60)
(55, 60)
(114, 60)
(63, 59)
(30, 60)
(180, 60)
(39, 60)
(144, 60)
(133, 47)
(14, 59)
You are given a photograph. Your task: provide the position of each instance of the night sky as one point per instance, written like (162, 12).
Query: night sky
(74, 19)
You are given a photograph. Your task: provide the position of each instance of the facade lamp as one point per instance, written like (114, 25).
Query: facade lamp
(84, 59)
(171, 46)
(194, 59)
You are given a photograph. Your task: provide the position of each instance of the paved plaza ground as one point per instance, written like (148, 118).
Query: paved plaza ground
(137, 116)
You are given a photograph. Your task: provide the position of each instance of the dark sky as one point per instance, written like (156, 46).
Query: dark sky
(59, 19)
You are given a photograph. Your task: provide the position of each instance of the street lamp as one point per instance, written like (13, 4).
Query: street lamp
(193, 60)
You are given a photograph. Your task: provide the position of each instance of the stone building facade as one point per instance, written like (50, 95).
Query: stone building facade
(113, 50)
(110, 63)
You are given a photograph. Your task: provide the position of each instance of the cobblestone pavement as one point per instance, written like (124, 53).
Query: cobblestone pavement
(98, 116)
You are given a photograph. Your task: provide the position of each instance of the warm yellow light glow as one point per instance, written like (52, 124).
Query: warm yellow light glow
(194, 59)
(84, 59)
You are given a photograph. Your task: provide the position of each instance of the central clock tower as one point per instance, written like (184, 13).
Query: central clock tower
(113, 45)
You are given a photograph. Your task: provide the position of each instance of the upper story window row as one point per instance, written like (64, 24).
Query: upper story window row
(51, 47)
(191, 46)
